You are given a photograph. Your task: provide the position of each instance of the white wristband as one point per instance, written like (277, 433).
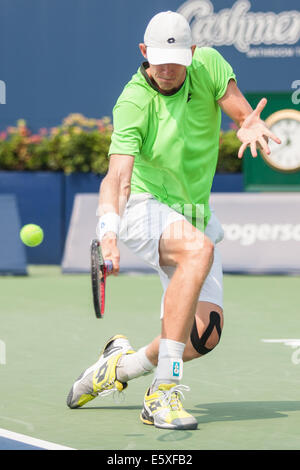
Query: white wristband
(109, 222)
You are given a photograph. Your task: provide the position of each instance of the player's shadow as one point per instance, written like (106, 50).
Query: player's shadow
(243, 410)
(228, 411)
(233, 411)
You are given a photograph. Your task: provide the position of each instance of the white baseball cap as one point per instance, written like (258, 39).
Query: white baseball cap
(168, 38)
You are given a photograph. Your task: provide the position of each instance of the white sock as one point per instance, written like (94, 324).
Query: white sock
(170, 364)
(133, 365)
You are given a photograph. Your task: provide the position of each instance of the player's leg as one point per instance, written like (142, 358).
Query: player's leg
(209, 313)
(185, 283)
(206, 331)
(191, 255)
(204, 337)
(208, 323)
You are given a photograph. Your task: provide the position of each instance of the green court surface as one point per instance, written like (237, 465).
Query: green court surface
(245, 394)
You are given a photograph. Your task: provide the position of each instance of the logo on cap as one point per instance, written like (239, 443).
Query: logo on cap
(171, 40)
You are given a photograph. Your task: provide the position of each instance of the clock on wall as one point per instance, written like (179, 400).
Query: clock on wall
(285, 124)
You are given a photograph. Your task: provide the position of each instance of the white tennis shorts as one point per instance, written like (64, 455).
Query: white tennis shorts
(143, 222)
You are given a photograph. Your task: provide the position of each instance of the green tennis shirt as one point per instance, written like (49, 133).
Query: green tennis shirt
(174, 138)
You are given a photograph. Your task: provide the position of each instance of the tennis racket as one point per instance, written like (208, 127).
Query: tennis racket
(99, 269)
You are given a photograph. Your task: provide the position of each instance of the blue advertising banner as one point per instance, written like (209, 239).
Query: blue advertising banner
(261, 40)
(59, 57)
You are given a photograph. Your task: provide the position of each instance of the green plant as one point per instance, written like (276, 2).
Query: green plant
(78, 145)
(228, 161)
(81, 144)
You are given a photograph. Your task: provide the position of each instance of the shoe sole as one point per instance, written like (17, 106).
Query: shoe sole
(148, 420)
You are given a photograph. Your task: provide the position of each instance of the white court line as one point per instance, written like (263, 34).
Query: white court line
(32, 441)
(294, 343)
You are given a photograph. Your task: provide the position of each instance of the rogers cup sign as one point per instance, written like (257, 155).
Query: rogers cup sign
(239, 27)
(261, 231)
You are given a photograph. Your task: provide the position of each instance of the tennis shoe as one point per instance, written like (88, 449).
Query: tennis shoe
(163, 408)
(100, 378)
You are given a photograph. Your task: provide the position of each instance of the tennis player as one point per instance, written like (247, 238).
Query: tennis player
(155, 198)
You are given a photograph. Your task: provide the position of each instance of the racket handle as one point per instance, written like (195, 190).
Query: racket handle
(109, 265)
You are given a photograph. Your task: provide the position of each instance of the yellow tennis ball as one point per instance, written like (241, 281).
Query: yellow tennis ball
(31, 235)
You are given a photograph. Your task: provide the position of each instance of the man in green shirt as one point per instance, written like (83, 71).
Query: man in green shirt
(155, 198)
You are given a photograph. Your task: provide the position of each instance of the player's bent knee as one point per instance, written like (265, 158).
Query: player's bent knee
(210, 337)
(198, 255)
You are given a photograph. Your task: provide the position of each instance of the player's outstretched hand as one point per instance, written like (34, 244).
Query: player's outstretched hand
(254, 132)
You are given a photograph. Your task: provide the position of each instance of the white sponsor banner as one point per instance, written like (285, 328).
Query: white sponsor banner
(261, 234)
(261, 231)
(256, 34)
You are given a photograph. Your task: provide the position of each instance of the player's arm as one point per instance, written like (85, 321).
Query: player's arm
(252, 131)
(114, 194)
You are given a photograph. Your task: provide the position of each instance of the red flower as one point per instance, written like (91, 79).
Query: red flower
(24, 131)
(3, 135)
(35, 139)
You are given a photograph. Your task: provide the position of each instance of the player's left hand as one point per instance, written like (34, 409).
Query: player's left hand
(254, 132)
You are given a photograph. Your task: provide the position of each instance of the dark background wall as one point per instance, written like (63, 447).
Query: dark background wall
(63, 56)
